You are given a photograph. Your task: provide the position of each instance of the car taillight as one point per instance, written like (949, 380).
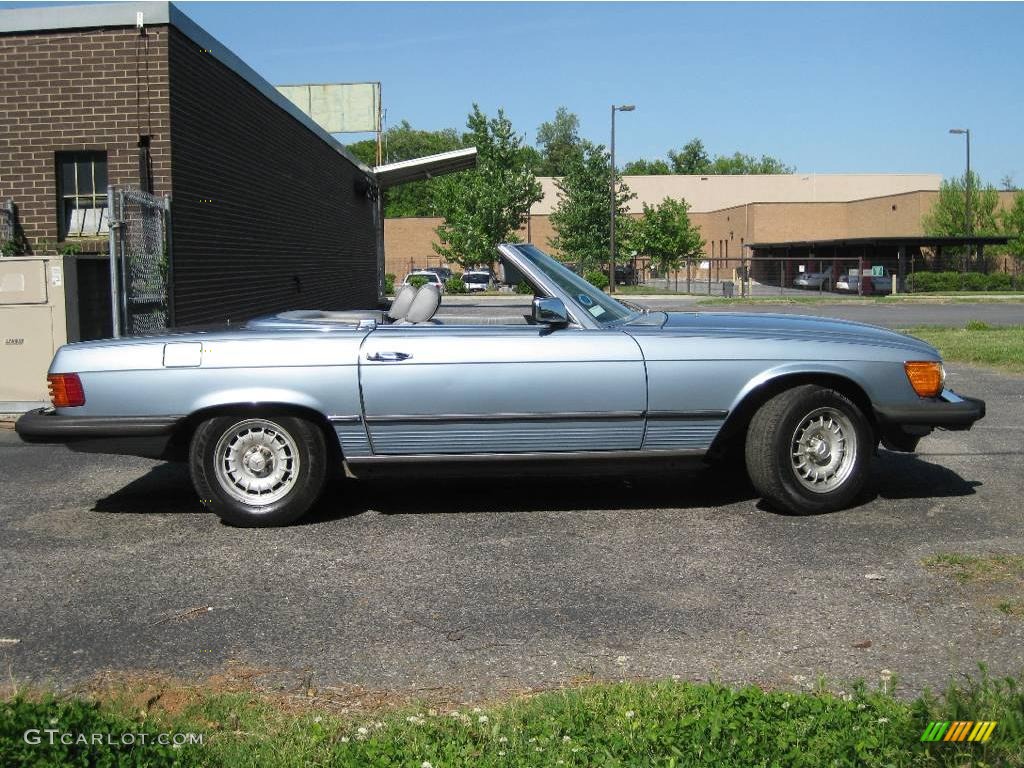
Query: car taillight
(66, 390)
(926, 378)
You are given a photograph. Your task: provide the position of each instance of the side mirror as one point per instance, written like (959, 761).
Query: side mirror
(549, 312)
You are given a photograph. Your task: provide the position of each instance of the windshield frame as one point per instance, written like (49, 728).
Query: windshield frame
(554, 279)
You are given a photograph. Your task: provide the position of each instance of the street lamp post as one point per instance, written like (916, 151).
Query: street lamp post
(967, 187)
(611, 270)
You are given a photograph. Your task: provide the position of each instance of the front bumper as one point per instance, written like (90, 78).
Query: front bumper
(903, 425)
(148, 436)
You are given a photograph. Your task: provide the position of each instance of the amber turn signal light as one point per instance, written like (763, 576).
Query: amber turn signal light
(66, 390)
(926, 378)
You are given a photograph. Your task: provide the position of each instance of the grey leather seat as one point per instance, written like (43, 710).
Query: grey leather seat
(428, 299)
(403, 301)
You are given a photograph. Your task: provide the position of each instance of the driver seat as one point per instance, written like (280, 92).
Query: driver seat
(424, 306)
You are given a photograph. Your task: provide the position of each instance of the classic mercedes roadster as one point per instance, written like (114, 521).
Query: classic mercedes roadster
(582, 383)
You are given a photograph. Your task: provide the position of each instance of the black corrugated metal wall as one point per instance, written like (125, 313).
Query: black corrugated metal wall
(265, 215)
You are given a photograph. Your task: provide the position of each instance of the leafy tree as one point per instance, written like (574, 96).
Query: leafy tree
(487, 205)
(1013, 226)
(693, 159)
(739, 163)
(559, 143)
(404, 142)
(947, 217)
(666, 234)
(646, 168)
(581, 220)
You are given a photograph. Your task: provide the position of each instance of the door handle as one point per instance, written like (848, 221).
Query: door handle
(387, 357)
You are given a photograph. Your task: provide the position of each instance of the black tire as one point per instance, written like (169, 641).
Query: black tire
(297, 468)
(819, 416)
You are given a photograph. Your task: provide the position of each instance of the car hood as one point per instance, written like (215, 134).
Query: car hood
(780, 327)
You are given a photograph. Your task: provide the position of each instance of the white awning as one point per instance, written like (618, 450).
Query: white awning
(393, 174)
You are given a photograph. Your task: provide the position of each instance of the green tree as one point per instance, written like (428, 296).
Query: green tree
(739, 163)
(581, 220)
(1007, 183)
(947, 217)
(666, 234)
(487, 205)
(692, 159)
(404, 142)
(1013, 227)
(646, 168)
(559, 143)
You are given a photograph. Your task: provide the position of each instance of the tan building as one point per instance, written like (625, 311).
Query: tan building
(731, 211)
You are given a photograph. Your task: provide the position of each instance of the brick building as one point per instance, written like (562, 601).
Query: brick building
(267, 211)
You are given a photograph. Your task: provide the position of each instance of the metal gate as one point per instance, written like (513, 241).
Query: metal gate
(140, 264)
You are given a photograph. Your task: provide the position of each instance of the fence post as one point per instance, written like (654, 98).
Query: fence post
(168, 243)
(115, 290)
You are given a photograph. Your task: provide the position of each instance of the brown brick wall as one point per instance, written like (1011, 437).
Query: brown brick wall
(285, 228)
(79, 90)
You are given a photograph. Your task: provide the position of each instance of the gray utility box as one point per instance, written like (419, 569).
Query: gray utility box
(32, 326)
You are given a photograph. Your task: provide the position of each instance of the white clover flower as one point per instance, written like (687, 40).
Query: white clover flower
(53, 721)
(502, 753)
(378, 725)
(862, 706)
(432, 712)
(538, 749)
(477, 710)
(630, 714)
(785, 705)
(885, 674)
(560, 762)
(566, 739)
(362, 731)
(482, 719)
(317, 719)
(677, 677)
(533, 739)
(343, 739)
(503, 739)
(454, 713)
(576, 749)
(882, 720)
(426, 764)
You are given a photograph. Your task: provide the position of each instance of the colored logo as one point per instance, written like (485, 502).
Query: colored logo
(959, 730)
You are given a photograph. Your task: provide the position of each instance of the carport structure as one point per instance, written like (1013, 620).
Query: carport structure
(899, 255)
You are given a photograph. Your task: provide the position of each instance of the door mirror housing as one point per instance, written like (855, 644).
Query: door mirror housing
(550, 312)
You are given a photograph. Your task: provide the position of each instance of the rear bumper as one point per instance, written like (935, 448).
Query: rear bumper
(148, 436)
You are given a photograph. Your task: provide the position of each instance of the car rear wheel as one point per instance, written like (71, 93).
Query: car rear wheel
(808, 450)
(258, 472)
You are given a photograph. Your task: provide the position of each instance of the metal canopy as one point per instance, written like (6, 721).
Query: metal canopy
(919, 240)
(393, 174)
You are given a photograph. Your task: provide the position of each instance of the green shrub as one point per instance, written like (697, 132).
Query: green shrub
(389, 284)
(524, 288)
(978, 325)
(417, 281)
(947, 282)
(454, 284)
(596, 278)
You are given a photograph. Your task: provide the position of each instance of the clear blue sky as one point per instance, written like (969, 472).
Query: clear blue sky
(826, 87)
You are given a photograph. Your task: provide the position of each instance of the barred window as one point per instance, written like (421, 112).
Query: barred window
(82, 193)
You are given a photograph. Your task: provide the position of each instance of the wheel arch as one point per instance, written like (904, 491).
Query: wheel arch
(178, 446)
(763, 388)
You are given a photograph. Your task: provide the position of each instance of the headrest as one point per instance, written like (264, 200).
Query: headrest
(428, 299)
(400, 306)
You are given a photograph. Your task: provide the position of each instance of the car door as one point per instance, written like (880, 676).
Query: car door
(501, 389)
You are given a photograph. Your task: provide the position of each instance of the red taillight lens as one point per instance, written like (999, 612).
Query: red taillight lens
(66, 390)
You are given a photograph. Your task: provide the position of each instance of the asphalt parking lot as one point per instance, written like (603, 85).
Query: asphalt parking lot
(479, 587)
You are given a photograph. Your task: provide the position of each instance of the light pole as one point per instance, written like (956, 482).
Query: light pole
(967, 187)
(611, 270)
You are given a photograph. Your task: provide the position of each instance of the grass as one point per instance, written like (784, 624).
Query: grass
(974, 568)
(833, 298)
(996, 346)
(627, 724)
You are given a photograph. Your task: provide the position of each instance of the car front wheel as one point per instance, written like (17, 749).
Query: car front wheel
(258, 471)
(808, 450)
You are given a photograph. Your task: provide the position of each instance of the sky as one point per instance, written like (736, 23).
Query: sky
(828, 88)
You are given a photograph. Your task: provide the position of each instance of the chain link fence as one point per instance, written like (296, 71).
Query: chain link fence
(7, 241)
(140, 264)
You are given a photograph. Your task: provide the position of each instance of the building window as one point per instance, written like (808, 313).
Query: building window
(82, 193)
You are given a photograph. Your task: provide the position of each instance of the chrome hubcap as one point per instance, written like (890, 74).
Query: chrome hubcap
(824, 448)
(257, 462)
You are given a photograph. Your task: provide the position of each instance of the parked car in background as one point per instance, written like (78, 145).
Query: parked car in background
(424, 275)
(817, 280)
(874, 284)
(583, 384)
(443, 272)
(477, 280)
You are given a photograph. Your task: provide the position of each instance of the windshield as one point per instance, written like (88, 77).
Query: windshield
(594, 301)
(476, 277)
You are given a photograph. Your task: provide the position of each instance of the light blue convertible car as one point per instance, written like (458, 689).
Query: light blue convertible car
(583, 383)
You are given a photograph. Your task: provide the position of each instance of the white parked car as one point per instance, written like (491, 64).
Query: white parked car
(879, 283)
(821, 279)
(477, 280)
(428, 276)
